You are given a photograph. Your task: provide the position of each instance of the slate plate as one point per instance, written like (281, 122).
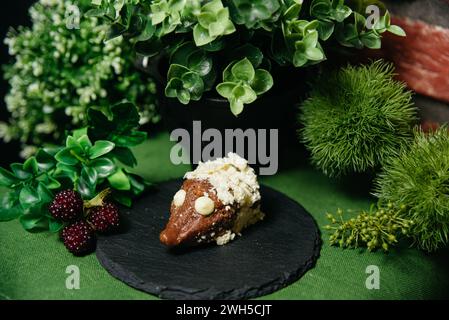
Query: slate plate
(269, 256)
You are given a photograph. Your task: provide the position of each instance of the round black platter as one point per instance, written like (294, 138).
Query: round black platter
(268, 256)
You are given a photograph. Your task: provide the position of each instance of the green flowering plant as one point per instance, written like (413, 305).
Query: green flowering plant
(378, 228)
(93, 159)
(58, 71)
(413, 192)
(207, 41)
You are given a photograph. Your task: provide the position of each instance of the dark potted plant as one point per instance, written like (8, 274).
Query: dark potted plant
(219, 56)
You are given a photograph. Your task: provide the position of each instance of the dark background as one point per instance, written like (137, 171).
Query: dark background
(12, 14)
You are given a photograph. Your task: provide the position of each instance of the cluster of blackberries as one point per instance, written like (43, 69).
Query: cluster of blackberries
(79, 235)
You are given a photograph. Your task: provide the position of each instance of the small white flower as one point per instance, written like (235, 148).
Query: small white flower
(33, 88)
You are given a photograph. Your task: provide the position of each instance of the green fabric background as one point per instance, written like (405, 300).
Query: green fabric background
(32, 266)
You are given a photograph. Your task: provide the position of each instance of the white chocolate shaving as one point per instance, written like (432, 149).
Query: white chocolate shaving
(233, 180)
(225, 238)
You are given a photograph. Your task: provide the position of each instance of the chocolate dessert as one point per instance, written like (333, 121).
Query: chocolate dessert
(217, 200)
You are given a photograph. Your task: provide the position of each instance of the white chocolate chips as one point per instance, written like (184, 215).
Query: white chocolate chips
(204, 206)
(179, 197)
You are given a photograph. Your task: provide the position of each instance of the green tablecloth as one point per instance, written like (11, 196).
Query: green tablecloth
(32, 266)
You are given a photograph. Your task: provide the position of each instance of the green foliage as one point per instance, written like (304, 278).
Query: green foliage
(418, 179)
(213, 21)
(242, 84)
(85, 165)
(255, 14)
(57, 73)
(378, 228)
(190, 73)
(356, 119)
(219, 32)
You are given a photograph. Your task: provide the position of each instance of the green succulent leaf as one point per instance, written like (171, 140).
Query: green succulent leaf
(7, 214)
(31, 166)
(71, 142)
(397, 30)
(132, 139)
(138, 185)
(64, 170)
(51, 183)
(213, 21)
(242, 84)
(251, 52)
(314, 54)
(84, 142)
(371, 40)
(103, 166)
(194, 84)
(9, 208)
(225, 89)
(45, 195)
(86, 189)
(34, 221)
(255, 13)
(123, 199)
(227, 73)
(54, 225)
(236, 106)
(243, 70)
(184, 84)
(244, 93)
(149, 48)
(201, 35)
(147, 32)
(325, 29)
(29, 197)
(119, 181)
(66, 156)
(240, 95)
(293, 11)
(262, 82)
(90, 175)
(341, 12)
(125, 156)
(7, 178)
(205, 19)
(121, 129)
(19, 172)
(176, 71)
(299, 59)
(100, 148)
(200, 63)
(45, 161)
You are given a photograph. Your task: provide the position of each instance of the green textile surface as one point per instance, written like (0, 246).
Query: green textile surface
(33, 266)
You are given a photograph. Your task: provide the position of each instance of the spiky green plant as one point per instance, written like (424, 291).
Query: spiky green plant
(357, 118)
(419, 180)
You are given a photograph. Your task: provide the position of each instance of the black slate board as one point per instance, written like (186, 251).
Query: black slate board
(270, 255)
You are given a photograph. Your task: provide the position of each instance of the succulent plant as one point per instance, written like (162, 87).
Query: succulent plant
(213, 37)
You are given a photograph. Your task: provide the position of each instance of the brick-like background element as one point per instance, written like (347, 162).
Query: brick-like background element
(421, 58)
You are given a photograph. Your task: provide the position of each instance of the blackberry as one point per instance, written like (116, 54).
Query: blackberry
(66, 206)
(105, 218)
(79, 237)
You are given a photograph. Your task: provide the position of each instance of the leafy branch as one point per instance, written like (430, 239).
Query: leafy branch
(93, 159)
